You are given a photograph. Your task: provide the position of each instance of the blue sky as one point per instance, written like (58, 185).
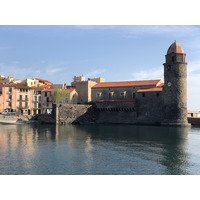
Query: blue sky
(117, 53)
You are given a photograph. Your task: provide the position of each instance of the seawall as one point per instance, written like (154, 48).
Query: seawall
(194, 121)
(89, 114)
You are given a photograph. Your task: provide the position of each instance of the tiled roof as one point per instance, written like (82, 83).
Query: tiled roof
(127, 84)
(40, 87)
(175, 48)
(158, 89)
(161, 85)
(116, 100)
(44, 81)
(50, 90)
(69, 90)
(18, 86)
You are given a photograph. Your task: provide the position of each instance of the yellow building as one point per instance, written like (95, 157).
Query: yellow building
(83, 88)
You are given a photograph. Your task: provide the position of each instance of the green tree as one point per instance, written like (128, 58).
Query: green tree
(59, 95)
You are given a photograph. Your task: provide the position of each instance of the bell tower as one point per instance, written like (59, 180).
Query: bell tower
(175, 87)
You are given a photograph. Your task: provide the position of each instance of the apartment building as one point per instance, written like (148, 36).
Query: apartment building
(16, 98)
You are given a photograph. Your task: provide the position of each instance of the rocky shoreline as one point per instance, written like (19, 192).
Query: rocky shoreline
(14, 119)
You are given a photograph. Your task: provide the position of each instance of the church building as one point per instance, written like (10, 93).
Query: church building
(147, 102)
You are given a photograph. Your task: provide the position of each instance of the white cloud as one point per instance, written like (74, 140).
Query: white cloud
(153, 74)
(17, 70)
(95, 73)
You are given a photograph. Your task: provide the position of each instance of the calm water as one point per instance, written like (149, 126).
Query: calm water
(102, 149)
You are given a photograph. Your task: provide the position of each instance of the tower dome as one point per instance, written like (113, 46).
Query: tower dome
(175, 48)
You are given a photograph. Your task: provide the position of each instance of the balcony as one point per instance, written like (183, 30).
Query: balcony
(9, 100)
(22, 99)
(37, 101)
(24, 107)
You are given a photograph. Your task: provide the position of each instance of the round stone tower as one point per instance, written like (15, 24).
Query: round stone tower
(175, 87)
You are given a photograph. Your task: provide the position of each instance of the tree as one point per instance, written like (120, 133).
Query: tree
(59, 95)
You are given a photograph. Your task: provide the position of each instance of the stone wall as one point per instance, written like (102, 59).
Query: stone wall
(77, 114)
(116, 117)
(116, 92)
(194, 121)
(46, 118)
(116, 105)
(149, 108)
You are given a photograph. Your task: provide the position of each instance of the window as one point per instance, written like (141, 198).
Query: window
(39, 105)
(20, 104)
(10, 97)
(172, 58)
(47, 99)
(45, 94)
(26, 97)
(10, 104)
(39, 98)
(157, 94)
(20, 90)
(98, 94)
(37, 92)
(35, 98)
(23, 90)
(133, 95)
(26, 104)
(168, 67)
(123, 94)
(143, 94)
(47, 104)
(10, 90)
(20, 97)
(110, 94)
(26, 90)
(35, 105)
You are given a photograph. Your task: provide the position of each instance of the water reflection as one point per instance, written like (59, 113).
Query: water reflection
(102, 149)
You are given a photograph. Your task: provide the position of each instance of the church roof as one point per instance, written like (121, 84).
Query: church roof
(175, 48)
(128, 84)
(158, 89)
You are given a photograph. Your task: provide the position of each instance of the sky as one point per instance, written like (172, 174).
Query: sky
(116, 53)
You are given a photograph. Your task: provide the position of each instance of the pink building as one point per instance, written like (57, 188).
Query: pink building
(16, 98)
(1, 103)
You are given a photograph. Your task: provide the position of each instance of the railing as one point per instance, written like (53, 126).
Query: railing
(24, 107)
(35, 101)
(22, 99)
